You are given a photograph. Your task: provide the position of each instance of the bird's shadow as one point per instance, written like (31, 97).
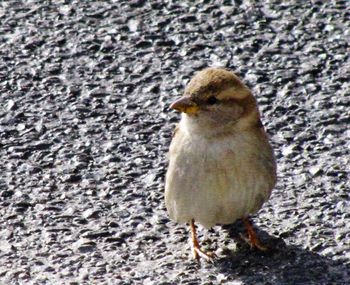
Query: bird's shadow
(281, 264)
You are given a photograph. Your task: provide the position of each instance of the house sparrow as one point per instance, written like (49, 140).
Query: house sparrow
(221, 165)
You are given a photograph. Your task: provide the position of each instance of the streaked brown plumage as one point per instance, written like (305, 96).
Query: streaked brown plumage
(221, 164)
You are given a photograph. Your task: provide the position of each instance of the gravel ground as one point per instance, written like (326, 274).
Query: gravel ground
(85, 126)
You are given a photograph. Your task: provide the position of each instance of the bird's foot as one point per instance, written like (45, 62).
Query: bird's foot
(254, 243)
(198, 254)
(196, 251)
(252, 238)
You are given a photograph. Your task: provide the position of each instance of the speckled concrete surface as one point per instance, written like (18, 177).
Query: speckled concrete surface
(85, 127)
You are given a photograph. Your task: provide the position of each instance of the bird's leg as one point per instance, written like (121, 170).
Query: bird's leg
(197, 252)
(253, 239)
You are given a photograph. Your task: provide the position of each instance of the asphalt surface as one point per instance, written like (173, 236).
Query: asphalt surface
(85, 125)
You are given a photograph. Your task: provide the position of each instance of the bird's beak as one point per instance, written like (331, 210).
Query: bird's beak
(185, 105)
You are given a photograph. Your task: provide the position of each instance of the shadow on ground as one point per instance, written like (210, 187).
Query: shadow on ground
(282, 264)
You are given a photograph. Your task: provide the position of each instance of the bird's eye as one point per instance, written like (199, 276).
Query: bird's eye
(212, 100)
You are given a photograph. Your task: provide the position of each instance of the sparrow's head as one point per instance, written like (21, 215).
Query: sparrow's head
(216, 98)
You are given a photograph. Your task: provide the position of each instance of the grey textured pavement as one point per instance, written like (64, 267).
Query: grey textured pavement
(85, 125)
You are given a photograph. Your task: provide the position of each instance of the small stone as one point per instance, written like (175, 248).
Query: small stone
(90, 213)
(21, 127)
(11, 105)
(287, 150)
(316, 169)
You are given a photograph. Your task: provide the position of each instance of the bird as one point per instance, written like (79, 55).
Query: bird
(222, 167)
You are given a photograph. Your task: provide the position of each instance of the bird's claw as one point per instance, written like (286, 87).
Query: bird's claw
(254, 243)
(198, 253)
